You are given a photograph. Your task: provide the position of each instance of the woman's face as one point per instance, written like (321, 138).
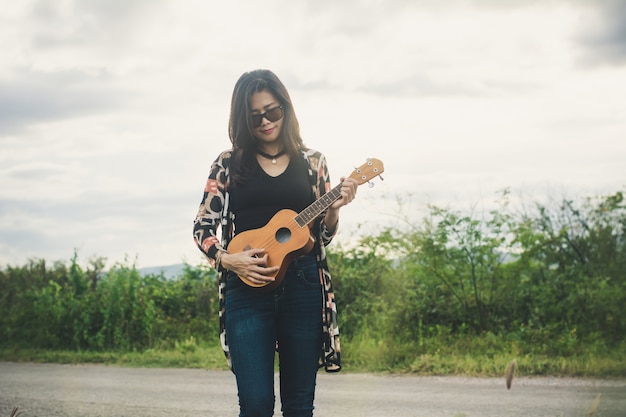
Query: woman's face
(264, 103)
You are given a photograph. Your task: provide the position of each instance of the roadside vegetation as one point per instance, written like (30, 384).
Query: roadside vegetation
(451, 293)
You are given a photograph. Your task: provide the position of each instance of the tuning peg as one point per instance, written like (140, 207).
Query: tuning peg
(381, 177)
(370, 184)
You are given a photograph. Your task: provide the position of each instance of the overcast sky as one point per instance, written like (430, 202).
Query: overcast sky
(111, 112)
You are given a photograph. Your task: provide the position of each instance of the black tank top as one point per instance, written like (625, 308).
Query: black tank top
(255, 202)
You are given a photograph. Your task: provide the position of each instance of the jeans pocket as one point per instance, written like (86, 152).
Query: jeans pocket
(233, 283)
(309, 275)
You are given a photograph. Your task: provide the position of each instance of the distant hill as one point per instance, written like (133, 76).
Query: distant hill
(168, 271)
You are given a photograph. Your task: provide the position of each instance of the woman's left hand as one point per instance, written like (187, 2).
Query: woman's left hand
(348, 192)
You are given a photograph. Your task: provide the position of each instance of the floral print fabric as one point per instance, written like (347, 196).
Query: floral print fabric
(214, 213)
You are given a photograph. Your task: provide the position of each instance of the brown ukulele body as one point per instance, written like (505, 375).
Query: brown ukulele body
(287, 235)
(283, 240)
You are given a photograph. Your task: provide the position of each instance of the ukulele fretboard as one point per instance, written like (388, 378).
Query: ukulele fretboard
(310, 213)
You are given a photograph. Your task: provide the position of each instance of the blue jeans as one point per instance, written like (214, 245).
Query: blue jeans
(290, 315)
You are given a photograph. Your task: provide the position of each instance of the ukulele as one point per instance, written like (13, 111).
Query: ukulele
(287, 235)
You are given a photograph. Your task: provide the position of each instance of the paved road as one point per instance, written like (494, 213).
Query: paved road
(47, 390)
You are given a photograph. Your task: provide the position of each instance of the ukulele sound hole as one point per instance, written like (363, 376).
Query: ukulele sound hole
(283, 235)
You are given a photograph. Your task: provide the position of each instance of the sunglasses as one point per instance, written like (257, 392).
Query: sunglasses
(273, 115)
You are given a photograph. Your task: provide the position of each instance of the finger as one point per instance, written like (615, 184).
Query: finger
(352, 185)
(263, 269)
(252, 275)
(255, 280)
(261, 263)
(261, 278)
(348, 193)
(256, 252)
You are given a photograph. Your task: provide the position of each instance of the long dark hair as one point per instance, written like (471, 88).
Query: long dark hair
(240, 125)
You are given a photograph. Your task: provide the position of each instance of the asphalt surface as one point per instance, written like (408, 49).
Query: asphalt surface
(48, 390)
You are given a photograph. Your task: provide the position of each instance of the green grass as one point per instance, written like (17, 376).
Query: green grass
(182, 355)
(481, 356)
(484, 357)
(203, 358)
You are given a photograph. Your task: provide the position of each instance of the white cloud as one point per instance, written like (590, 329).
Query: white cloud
(602, 33)
(112, 112)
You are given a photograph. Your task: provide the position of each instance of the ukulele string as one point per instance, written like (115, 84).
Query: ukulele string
(307, 214)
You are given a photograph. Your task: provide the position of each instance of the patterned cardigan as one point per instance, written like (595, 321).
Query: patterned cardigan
(214, 212)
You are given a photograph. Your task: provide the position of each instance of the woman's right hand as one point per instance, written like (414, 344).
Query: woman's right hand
(250, 265)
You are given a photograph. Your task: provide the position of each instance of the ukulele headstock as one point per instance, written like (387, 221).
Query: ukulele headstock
(370, 169)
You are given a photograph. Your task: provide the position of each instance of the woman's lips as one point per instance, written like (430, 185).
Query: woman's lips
(268, 131)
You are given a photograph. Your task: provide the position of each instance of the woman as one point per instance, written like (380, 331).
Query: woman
(268, 169)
